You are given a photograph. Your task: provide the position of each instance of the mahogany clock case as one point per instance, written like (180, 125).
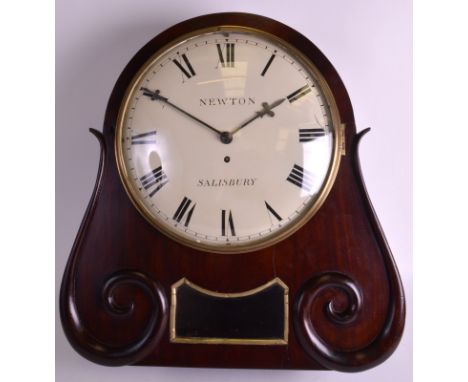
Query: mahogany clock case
(345, 308)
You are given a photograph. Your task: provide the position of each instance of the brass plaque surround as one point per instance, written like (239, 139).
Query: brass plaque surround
(174, 338)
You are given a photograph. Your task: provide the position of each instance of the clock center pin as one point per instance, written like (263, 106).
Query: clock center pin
(226, 137)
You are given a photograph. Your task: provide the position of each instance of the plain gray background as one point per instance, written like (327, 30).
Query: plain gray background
(370, 44)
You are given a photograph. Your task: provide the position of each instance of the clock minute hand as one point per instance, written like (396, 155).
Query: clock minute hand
(266, 109)
(156, 96)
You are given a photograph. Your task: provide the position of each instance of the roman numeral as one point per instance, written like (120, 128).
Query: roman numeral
(273, 212)
(145, 138)
(294, 96)
(227, 223)
(300, 177)
(307, 135)
(268, 64)
(188, 71)
(156, 178)
(229, 61)
(182, 209)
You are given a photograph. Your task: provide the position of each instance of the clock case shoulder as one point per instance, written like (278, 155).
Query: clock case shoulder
(347, 302)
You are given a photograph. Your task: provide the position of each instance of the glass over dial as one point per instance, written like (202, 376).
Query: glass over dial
(228, 140)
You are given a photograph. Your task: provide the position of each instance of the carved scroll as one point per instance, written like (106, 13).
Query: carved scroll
(89, 344)
(335, 283)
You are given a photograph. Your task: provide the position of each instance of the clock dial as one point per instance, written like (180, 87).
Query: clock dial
(228, 140)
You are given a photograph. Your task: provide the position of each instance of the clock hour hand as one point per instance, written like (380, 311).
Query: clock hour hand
(266, 110)
(155, 95)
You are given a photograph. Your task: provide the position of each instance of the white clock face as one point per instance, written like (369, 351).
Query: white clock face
(226, 141)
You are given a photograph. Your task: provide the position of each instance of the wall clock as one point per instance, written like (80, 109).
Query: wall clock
(229, 225)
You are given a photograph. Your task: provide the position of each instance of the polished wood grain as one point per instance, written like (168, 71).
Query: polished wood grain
(346, 306)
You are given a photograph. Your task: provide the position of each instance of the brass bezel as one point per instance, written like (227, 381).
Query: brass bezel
(230, 341)
(281, 234)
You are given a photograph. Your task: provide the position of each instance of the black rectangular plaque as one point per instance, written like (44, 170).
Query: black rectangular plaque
(258, 316)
